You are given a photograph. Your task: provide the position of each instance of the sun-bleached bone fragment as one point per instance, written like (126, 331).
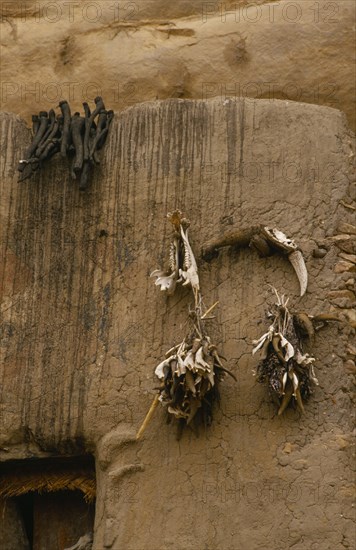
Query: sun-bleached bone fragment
(190, 271)
(298, 263)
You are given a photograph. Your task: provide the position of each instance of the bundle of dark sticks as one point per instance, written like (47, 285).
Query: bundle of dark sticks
(76, 136)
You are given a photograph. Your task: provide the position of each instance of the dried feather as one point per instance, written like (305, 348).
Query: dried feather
(264, 350)
(178, 413)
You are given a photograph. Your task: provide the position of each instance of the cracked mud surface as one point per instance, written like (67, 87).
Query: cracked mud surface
(83, 326)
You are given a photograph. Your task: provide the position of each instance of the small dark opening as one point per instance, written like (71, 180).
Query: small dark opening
(25, 508)
(48, 516)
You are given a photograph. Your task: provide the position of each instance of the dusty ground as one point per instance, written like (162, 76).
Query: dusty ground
(83, 325)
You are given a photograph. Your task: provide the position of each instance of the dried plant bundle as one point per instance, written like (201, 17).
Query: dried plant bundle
(287, 369)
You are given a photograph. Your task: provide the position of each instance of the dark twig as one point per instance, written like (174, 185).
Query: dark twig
(35, 124)
(40, 134)
(65, 109)
(101, 126)
(42, 145)
(100, 138)
(77, 129)
(65, 133)
(52, 147)
(89, 121)
(48, 134)
(84, 177)
(28, 167)
(43, 122)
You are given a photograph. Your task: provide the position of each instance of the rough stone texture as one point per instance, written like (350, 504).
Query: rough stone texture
(83, 325)
(149, 50)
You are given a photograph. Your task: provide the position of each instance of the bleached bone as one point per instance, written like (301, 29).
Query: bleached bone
(273, 237)
(190, 271)
(279, 239)
(298, 263)
(287, 246)
(84, 543)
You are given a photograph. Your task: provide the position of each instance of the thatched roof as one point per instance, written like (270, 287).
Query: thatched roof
(48, 475)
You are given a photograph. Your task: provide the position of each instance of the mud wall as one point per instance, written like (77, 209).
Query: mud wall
(144, 50)
(83, 325)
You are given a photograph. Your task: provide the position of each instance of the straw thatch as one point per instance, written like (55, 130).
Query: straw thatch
(49, 478)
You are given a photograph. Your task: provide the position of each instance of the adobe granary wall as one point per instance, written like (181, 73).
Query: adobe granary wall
(83, 325)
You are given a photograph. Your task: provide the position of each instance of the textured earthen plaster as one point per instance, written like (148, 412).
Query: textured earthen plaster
(83, 325)
(154, 49)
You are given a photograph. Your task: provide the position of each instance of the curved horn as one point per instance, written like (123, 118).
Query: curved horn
(237, 238)
(298, 263)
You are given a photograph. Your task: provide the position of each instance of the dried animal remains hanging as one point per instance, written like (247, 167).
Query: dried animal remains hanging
(265, 241)
(74, 136)
(284, 366)
(192, 370)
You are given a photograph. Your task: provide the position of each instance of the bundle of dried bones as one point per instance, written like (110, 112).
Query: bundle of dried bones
(191, 372)
(182, 265)
(284, 365)
(75, 136)
(190, 376)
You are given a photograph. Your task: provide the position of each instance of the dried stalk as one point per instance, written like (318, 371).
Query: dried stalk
(148, 416)
(209, 310)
